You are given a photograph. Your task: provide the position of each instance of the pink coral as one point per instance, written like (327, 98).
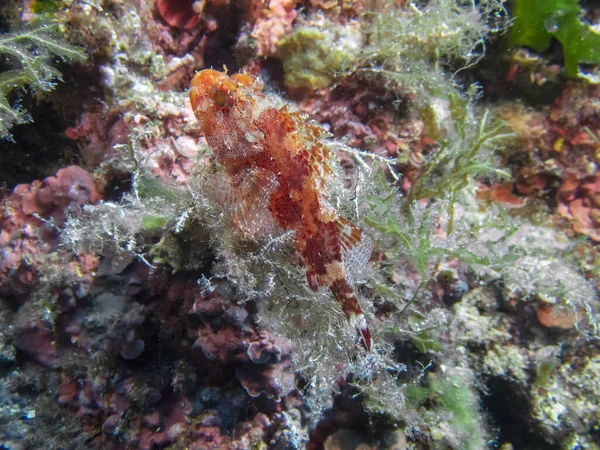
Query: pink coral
(263, 361)
(178, 13)
(271, 371)
(171, 152)
(502, 193)
(171, 393)
(38, 342)
(579, 200)
(58, 196)
(563, 144)
(30, 219)
(273, 23)
(364, 113)
(99, 132)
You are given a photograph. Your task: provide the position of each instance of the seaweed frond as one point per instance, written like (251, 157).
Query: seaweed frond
(469, 154)
(537, 22)
(30, 51)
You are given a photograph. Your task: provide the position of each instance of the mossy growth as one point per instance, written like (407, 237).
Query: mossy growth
(406, 229)
(465, 152)
(313, 54)
(46, 6)
(451, 410)
(411, 47)
(410, 51)
(422, 337)
(30, 51)
(546, 363)
(150, 223)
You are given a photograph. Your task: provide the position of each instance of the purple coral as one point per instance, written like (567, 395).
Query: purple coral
(30, 219)
(271, 371)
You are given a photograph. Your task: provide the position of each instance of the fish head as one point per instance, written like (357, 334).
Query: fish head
(214, 91)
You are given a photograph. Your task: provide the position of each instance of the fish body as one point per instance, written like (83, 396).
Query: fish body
(275, 172)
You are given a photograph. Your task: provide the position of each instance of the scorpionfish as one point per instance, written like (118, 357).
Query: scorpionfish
(275, 168)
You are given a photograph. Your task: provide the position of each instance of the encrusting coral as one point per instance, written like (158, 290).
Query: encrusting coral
(180, 13)
(316, 51)
(559, 152)
(31, 218)
(271, 20)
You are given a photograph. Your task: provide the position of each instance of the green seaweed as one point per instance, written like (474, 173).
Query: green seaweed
(460, 159)
(410, 50)
(45, 6)
(451, 397)
(413, 237)
(422, 337)
(538, 21)
(153, 223)
(30, 51)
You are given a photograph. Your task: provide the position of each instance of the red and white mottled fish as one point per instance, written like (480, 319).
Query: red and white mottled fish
(275, 170)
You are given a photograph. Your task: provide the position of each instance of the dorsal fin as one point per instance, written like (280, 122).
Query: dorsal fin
(245, 198)
(356, 248)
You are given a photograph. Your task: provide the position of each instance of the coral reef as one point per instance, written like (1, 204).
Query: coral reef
(31, 218)
(135, 312)
(309, 57)
(578, 201)
(180, 14)
(271, 20)
(559, 153)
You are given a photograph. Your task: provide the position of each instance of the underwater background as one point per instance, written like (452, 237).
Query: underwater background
(461, 137)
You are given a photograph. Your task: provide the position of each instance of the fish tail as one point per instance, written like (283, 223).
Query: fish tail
(334, 258)
(344, 294)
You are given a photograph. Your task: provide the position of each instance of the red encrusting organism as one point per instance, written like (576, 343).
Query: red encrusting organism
(275, 171)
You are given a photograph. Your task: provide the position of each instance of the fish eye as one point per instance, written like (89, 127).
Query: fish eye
(221, 98)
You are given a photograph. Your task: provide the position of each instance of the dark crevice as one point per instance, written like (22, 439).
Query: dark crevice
(509, 409)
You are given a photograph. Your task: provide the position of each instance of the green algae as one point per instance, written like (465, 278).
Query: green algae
(536, 22)
(30, 51)
(312, 55)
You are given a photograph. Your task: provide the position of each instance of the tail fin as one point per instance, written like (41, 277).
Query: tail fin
(334, 257)
(356, 251)
(344, 294)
